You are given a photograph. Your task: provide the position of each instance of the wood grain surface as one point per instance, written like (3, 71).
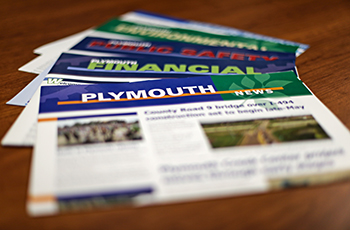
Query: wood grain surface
(325, 68)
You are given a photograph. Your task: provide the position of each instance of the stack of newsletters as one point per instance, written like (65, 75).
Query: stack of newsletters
(147, 109)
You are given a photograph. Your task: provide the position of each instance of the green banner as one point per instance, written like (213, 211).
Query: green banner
(282, 84)
(157, 33)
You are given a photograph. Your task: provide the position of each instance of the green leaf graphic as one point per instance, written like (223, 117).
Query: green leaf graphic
(234, 86)
(248, 83)
(262, 78)
(277, 83)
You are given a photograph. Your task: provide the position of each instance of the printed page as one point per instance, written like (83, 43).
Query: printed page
(133, 31)
(161, 20)
(184, 139)
(23, 131)
(149, 32)
(145, 17)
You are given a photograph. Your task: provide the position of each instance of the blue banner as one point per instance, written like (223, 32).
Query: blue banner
(155, 66)
(170, 91)
(178, 49)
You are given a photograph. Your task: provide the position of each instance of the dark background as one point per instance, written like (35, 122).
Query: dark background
(325, 68)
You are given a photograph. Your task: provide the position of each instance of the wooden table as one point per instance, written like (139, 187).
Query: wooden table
(325, 68)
